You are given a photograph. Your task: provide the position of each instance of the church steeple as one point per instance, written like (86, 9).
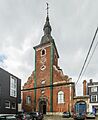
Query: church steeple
(47, 38)
(47, 28)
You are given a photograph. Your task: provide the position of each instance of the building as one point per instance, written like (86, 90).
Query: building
(48, 89)
(84, 98)
(92, 91)
(10, 92)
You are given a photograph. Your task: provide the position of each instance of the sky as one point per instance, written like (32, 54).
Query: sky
(73, 23)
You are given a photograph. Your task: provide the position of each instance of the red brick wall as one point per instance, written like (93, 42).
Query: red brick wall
(45, 74)
(55, 58)
(64, 106)
(56, 75)
(47, 95)
(29, 84)
(56, 107)
(28, 107)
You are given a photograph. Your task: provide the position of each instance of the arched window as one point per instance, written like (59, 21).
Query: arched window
(60, 97)
(28, 100)
(43, 52)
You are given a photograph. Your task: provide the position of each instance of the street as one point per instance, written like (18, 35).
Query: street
(60, 118)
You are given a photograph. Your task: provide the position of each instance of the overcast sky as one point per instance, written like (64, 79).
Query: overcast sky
(73, 23)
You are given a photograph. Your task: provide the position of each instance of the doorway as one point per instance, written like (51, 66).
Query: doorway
(42, 107)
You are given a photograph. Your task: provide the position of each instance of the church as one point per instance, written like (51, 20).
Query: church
(48, 89)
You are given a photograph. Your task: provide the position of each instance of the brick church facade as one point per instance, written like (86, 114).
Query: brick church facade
(48, 89)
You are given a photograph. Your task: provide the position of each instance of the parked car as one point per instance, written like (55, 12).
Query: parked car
(66, 114)
(79, 116)
(23, 116)
(36, 115)
(27, 116)
(20, 116)
(90, 115)
(8, 117)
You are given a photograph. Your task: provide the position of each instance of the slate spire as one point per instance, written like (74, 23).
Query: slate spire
(47, 28)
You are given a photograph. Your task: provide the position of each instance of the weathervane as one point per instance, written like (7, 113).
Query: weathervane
(47, 9)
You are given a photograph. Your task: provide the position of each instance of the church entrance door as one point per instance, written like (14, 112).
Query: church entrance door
(42, 107)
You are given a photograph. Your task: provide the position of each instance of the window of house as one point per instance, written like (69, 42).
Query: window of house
(13, 105)
(60, 97)
(43, 52)
(13, 86)
(93, 98)
(94, 89)
(7, 104)
(28, 100)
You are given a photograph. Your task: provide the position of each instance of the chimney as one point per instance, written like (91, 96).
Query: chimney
(91, 81)
(84, 87)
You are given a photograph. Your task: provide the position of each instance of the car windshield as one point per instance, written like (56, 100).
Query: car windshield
(90, 113)
(66, 112)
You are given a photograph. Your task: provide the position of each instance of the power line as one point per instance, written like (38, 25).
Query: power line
(89, 59)
(87, 55)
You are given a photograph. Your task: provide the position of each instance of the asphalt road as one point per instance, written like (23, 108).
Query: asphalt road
(60, 118)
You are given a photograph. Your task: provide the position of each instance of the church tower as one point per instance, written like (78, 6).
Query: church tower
(46, 55)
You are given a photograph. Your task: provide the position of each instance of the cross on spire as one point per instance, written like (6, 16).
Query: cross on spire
(47, 9)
